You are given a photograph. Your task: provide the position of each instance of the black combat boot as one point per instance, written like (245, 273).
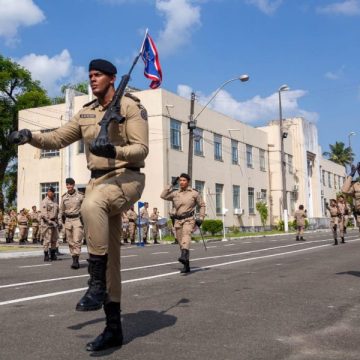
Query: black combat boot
(335, 241)
(343, 240)
(182, 257)
(301, 238)
(53, 256)
(297, 238)
(75, 264)
(112, 336)
(34, 241)
(46, 256)
(7, 240)
(96, 293)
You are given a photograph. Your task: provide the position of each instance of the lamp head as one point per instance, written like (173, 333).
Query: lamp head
(284, 88)
(244, 77)
(352, 133)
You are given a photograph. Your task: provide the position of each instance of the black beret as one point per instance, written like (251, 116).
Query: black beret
(50, 188)
(186, 176)
(104, 66)
(70, 181)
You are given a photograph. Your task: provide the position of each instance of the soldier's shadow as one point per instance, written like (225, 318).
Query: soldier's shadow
(137, 325)
(350, 272)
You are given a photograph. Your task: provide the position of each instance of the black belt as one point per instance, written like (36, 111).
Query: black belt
(184, 216)
(23, 224)
(131, 220)
(72, 216)
(98, 173)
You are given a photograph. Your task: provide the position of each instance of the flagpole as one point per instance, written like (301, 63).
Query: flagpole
(137, 57)
(142, 44)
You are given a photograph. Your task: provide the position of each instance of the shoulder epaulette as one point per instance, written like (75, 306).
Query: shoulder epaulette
(89, 103)
(133, 97)
(195, 189)
(63, 194)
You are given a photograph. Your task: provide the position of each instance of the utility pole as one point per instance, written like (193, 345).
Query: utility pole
(191, 127)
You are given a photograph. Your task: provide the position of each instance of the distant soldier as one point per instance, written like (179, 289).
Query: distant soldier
(10, 221)
(1, 220)
(184, 201)
(300, 216)
(49, 217)
(334, 218)
(70, 211)
(35, 218)
(343, 216)
(154, 217)
(144, 216)
(132, 216)
(125, 227)
(23, 225)
(172, 218)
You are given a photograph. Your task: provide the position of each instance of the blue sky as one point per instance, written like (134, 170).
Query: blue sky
(310, 45)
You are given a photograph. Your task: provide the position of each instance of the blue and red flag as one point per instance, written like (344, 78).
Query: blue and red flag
(150, 57)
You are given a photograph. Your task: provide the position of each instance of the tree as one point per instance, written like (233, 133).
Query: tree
(340, 154)
(17, 92)
(82, 87)
(262, 209)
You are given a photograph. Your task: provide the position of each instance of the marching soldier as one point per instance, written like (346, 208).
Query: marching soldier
(343, 216)
(154, 217)
(10, 221)
(23, 225)
(300, 216)
(35, 218)
(49, 217)
(334, 218)
(352, 188)
(70, 211)
(125, 227)
(184, 201)
(116, 183)
(132, 216)
(144, 215)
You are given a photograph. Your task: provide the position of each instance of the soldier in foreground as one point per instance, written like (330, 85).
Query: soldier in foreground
(70, 211)
(184, 201)
(300, 216)
(352, 188)
(116, 183)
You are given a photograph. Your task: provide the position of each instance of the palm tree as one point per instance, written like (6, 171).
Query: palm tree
(340, 154)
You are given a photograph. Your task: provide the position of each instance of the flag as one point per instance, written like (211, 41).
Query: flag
(150, 57)
(140, 204)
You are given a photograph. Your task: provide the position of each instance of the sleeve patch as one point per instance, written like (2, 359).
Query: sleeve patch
(143, 114)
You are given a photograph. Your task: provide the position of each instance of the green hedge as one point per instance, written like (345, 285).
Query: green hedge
(212, 226)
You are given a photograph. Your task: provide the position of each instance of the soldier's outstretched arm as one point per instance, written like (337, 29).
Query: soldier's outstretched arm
(168, 193)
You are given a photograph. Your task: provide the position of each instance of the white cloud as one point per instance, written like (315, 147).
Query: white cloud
(53, 71)
(257, 109)
(14, 14)
(266, 6)
(181, 17)
(347, 7)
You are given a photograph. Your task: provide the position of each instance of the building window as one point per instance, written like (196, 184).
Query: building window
(293, 196)
(335, 182)
(219, 198)
(262, 159)
(198, 142)
(218, 147)
(48, 153)
(329, 180)
(251, 200)
(175, 134)
(263, 195)
(44, 188)
(234, 152)
(290, 164)
(81, 146)
(323, 178)
(177, 184)
(236, 196)
(249, 159)
(200, 186)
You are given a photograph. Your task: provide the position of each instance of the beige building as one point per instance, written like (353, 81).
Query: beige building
(235, 165)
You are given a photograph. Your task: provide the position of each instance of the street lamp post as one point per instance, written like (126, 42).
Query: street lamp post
(350, 135)
(192, 119)
(283, 163)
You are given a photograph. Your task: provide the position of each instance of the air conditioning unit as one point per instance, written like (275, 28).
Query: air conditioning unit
(258, 195)
(296, 187)
(238, 211)
(322, 192)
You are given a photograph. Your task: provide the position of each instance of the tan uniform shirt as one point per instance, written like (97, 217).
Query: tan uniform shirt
(144, 214)
(300, 216)
(154, 217)
(35, 218)
(342, 208)
(131, 215)
(352, 188)
(6, 219)
(70, 204)
(49, 212)
(129, 138)
(22, 220)
(184, 201)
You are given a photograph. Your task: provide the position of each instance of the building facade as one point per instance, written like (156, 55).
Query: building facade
(235, 165)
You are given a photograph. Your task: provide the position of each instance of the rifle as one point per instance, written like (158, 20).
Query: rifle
(113, 111)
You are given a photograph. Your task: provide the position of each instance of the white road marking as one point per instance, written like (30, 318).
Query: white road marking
(127, 256)
(247, 242)
(210, 247)
(160, 252)
(30, 266)
(229, 244)
(14, 301)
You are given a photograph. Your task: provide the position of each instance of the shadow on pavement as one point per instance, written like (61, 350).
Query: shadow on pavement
(351, 272)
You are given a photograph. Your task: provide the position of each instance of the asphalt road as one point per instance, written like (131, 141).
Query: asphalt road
(263, 298)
